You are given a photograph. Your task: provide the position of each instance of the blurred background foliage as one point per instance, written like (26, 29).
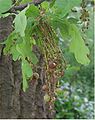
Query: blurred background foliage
(75, 96)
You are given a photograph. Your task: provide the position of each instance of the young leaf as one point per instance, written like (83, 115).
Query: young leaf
(32, 12)
(27, 70)
(77, 46)
(21, 22)
(14, 53)
(24, 48)
(25, 83)
(26, 73)
(9, 42)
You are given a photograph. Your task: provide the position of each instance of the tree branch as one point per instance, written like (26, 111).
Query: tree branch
(21, 7)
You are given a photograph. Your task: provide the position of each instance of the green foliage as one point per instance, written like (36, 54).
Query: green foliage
(76, 100)
(5, 6)
(78, 47)
(20, 22)
(25, 1)
(63, 7)
(20, 42)
(75, 96)
(32, 12)
(9, 42)
(70, 104)
(26, 72)
(15, 53)
(52, 3)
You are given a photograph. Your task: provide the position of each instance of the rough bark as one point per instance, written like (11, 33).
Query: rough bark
(32, 102)
(9, 103)
(14, 103)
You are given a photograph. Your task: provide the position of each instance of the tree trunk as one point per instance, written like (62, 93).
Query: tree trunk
(14, 103)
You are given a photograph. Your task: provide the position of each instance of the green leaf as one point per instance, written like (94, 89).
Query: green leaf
(25, 1)
(72, 20)
(24, 48)
(25, 83)
(34, 58)
(21, 48)
(61, 24)
(77, 46)
(14, 53)
(52, 3)
(26, 73)
(5, 5)
(9, 42)
(21, 22)
(64, 6)
(27, 70)
(32, 12)
(45, 5)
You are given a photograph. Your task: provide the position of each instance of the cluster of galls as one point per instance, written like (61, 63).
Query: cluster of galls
(84, 16)
(54, 63)
(50, 87)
